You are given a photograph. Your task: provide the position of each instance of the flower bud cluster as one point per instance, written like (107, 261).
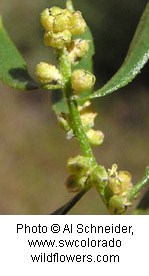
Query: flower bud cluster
(60, 25)
(84, 174)
(119, 184)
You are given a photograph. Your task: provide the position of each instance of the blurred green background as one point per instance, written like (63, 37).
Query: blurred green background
(33, 150)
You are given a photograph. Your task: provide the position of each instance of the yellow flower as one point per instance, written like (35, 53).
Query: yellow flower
(62, 21)
(82, 80)
(78, 24)
(57, 40)
(77, 49)
(47, 20)
(118, 204)
(120, 182)
(47, 73)
(95, 137)
(79, 165)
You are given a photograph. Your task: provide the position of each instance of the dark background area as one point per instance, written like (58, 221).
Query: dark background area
(33, 150)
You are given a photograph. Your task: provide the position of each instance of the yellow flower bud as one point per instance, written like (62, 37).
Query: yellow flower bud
(125, 176)
(82, 80)
(95, 137)
(75, 183)
(57, 40)
(87, 119)
(78, 48)
(54, 11)
(47, 20)
(99, 176)
(47, 73)
(62, 21)
(118, 204)
(120, 183)
(78, 24)
(79, 165)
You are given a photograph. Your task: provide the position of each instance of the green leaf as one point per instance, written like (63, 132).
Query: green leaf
(137, 57)
(13, 69)
(59, 104)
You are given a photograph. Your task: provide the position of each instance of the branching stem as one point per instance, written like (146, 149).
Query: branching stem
(65, 67)
(139, 186)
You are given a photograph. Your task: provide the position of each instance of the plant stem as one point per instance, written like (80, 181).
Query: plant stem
(139, 186)
(75, 120)
(65, 68)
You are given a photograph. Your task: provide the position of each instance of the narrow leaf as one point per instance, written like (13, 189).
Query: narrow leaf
(13, 69)
(137, 57)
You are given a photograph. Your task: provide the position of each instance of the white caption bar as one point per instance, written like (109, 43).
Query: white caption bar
(72, 245)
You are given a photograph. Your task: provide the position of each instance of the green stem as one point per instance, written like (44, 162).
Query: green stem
(79, 130)
(65, 68)
(139, 186)
(75, 120)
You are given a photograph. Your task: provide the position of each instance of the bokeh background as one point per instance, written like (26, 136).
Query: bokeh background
(33, 150)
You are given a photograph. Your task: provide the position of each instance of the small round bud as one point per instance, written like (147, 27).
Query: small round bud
(120, 183)
(82, 80)
(125, 176)
(47, 73)
(95, 137)
(77, 49)
(57, 40)
(62, 21)
(99, 176)
(118, 204)
(75, 183)
(54, 11)
(79, 165)
(47, 20)
(87, 119)
(78, 24)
